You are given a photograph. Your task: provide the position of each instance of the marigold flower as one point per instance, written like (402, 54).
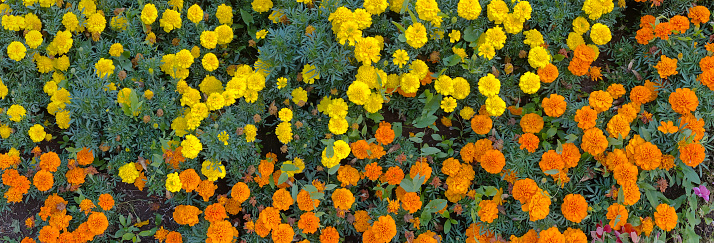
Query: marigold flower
(596, 8)
(617, 214)
(49, 161)
(529, 142)
(149, 14)
(186, 215)
(692, 154)
(416, 35)
(106, 201)
(97, 223)
(43, 180)
(411, 202)
(174, 237)
(683, 101)
(600, 34)
(699, 14)
(367, 50)
(663, 30)
(531, 123)
(551, 160)
(538, 57)
(538, 206)
(189, 180)
(488, 211)
(493, 161)
(384, 134)
(489, 85)
(329, 235)
(554, 105)
(393, 176)
(220, 231)
(666, 67)
(631, 193)
(666, 217)
(170, 20)
(594, 141)
(600, 100)
(495, 106)
(383, 230)
(173, 182)
(343, 199)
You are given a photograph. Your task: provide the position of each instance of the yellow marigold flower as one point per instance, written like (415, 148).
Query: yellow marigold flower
(533, 38)
(495, 37)
(224, 13)
(467, 112)
(574, 40)
(128, 173)
(416, 35)
(16, 113)
(173, 182)
(261, 34)
(375, 7)
(538, 57)
(285, 114)
(96, 23)
(427, 9)
(310, 74)
(489, 85)
(367, 50)
(358, 92)
(116, 50)
(338, 125)
(149, 14)
(191, 146)
(596, 8)
(250, 132)
(261, 6)
(600, 34)
(104, 67)
(469, 9)
(209, 39)
(37, 133)
(448, 104)
(16, 51)
(497, 11)
(299, 95)
(225, 34)
(195, 14)
(63, 119)
(495, 105)
(282, 82)
(170, 20)
(210, 62)
(33, 39)
(401, 57)
(70, 21)
(213, 170)
(184, 58)
(581, 25)
(529, 83)
(284, 132)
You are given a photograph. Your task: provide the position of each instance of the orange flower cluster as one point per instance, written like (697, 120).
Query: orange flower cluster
(488, 211)
(554, 105)
(221, 231)
(459, 178)
(19, 185)
(529, 142)
(383, 230)
(557, 164)
(617, 214)
(384, 134)
(361, 149)
(481, 124)
(574, 207)
(666, 67)
(665, 217)
(534, 200)
(348, 175)
(706, 64)
(186, 215)
(475, 233)
(531, 123)
(582, 58)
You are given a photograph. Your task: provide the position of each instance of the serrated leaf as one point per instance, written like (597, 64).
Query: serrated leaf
(690, 174)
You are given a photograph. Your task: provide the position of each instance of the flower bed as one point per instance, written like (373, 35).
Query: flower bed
(347, 121)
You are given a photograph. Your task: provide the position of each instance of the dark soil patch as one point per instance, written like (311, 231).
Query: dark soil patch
(12, 220)
(140, 204)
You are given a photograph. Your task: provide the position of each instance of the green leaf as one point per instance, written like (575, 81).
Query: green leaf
(294, 191)
(447, 227)
(452, 60)
(376, 117)
(247, 17)
(402, 38)
(614, 141)
(317, 195)
(407, 185)
(334, 169)
(436, 137)
(558, 57)
(397, 127)
(310, 188)
(429, 150)
(470, 34)
(552, 172)
(399, 26)
(424, 121)
(127, 236)
(551, 132)
(146, 233)
(289, 167)
(329, 187)
(490, 191)
(690, 174)
(646, 134)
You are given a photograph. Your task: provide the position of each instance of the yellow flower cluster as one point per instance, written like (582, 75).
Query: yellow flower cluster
(213, 170)
(428, 10)
(347, 25)
(340, 151)
(596, 8)
(498, 12)
(128, 172)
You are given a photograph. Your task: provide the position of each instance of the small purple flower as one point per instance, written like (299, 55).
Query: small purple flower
(702, 192)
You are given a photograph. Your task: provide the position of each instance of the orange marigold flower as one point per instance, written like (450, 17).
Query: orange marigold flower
(667, 162)
(575, 236)
(574, 207)
(586, 53)
(644, 35)
(552, 234)
(616, 158)
(482, 146)
(450, 167)
(707, 63)
(551, 160)
(531, 123)
(600, 100)
(629, 111)
(631, 192)
(215, 212)
(692, 154)
(481, 124)
(206, 189)
(666, 67)
(421, 168)
(488, 211)
(240, 192)
(27, 240)
(594, 141)
(360, 149)
(174, 237)
(586, 117)
(189, 180)
(97, 223)
(268, 218)
(372, 171)
(106, 201)
(384, 229)
(625, 173)
(617, 214)
(530, 236)
(308, 223)
(377, 151)
(663, 30)
(393, 205)
(493, 161)
(595, 74)
(548, 74)
(579, 66)
(43, 180)
(49, 161)
(49, 234)
(86, 206)
(305, 201)
(384, 134)
(411, 202)
(680, 23)
(665, 217)
(75, 176)
(343, 199)
(648, 156)
(683, 101)
(618, 126)
(570, 155)
(538, 207)
(220, 232)
(282, 199)
(694, 124)
(85, 156)
(467, 153)
(186, 215)
(524, 189)
(348, 175)
(361, 223)
(529, 142)
(616, 90)
(647, 226)
(554, 105)
(283, 233)
(699, 14)
(640, 95)
(329, 235)
(393, 176)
